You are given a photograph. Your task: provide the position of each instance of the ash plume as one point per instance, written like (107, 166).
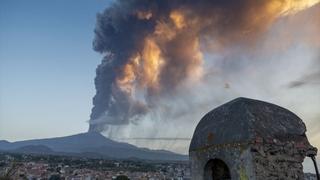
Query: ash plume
(154, 50)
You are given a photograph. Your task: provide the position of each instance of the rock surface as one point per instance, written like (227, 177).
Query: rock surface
(256, 140)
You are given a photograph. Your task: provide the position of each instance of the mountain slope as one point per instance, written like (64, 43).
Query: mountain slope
(89, 143)
(34, 149)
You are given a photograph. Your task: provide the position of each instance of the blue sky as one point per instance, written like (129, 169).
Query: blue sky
(47, 67)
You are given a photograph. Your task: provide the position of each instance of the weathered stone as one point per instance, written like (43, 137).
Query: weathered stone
(249, 139)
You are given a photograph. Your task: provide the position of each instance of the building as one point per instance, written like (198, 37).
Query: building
(249, 139)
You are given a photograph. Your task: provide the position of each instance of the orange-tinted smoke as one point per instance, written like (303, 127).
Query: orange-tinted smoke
(171, 54)
(158, 46)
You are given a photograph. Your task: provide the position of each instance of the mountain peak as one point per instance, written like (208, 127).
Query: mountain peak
(88, 143)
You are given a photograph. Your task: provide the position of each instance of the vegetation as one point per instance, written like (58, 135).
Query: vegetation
(10, 172)
(122, 177)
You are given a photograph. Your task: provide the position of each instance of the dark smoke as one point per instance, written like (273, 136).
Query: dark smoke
(118, 34)
(121, 32)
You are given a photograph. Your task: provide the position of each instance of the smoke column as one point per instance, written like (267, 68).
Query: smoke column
(153, 49)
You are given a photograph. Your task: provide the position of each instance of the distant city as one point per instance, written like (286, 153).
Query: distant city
(42, 167)
(15, 166)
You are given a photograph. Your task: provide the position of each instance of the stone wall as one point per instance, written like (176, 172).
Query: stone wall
(236, 156)
(278, 160)
(274, 160)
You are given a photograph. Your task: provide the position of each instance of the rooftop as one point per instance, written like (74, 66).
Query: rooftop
(243, 120)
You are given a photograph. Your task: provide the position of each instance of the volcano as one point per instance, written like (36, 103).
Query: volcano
(91, 144)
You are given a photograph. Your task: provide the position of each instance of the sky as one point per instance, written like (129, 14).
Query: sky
(47, 67)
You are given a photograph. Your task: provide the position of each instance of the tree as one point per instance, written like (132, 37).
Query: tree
(11, 172)
(55, 177)
(122, 177)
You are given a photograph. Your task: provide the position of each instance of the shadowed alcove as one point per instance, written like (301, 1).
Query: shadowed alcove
(216, 169)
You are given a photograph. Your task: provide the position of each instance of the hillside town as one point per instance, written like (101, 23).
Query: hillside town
(41, 167)
(47, 167)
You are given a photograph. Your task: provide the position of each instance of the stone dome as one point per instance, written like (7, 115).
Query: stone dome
(244, 120)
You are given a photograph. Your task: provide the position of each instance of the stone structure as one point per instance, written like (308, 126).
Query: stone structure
(249, 139)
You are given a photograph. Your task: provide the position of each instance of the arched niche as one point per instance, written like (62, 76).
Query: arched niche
(216, 169)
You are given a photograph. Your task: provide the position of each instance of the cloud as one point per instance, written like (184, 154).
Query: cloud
(168, 63)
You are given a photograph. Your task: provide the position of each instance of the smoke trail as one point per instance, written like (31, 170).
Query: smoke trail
(154, 48)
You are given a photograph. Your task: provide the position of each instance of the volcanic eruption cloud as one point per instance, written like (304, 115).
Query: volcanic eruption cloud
(168, 62)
